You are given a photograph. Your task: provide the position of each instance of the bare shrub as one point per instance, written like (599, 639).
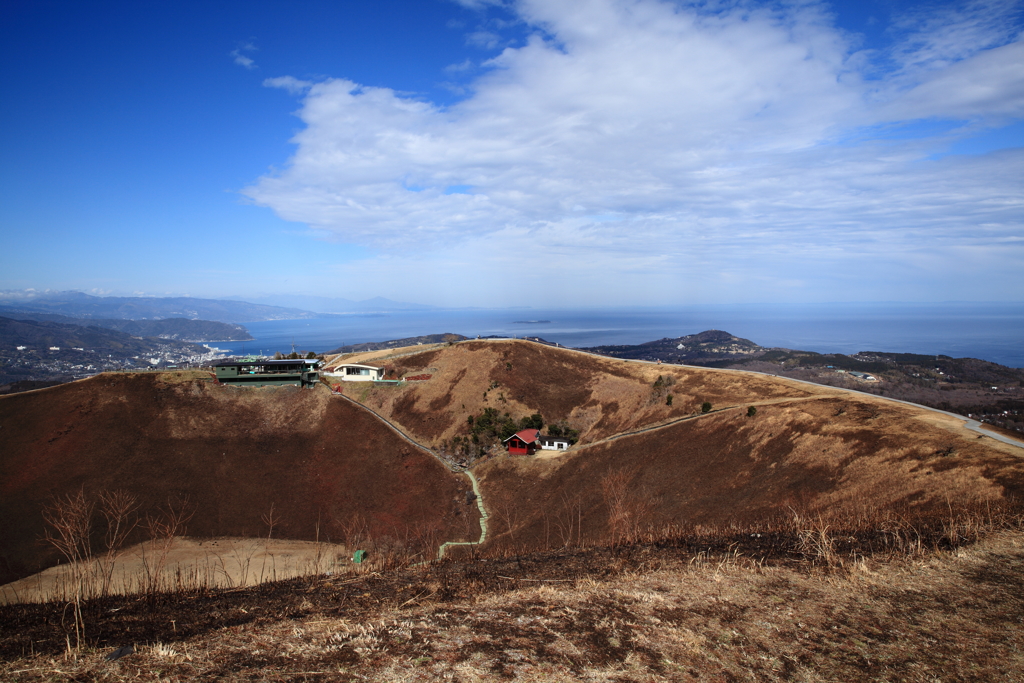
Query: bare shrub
(271, 520)
(569, 521)
(69, 527)
(119, 510)
(815, 541)
(614, 488)
(508, 512)
(163, 527)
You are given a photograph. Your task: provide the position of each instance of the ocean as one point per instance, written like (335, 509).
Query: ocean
(990, 331)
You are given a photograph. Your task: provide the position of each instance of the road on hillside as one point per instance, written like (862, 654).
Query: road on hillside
(973, 425)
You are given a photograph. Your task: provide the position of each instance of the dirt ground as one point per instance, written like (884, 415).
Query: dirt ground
(230, 458)
(378, 357)
(204, 563)
(829, 455)
(747, 609)
(597, 396)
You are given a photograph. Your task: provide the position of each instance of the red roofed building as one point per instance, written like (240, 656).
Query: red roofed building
(523, 442)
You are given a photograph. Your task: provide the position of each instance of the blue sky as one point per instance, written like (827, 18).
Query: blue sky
(487, 153)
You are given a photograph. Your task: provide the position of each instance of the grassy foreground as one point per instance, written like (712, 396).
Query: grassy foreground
(747, 607)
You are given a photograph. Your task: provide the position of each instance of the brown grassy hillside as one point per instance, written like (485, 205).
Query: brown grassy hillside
(828, 536)
(809, 450)
(840, 457)
(229, 452)
(641, 613)
(598, 396)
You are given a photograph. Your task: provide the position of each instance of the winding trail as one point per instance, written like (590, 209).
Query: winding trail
(971, 424)
(686, 418)
(472, 477)
(483, 519)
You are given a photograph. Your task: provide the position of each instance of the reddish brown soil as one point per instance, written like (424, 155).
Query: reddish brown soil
(738, 607)
(325, 465)
(597, 396)
(322, 461)
(834, 456)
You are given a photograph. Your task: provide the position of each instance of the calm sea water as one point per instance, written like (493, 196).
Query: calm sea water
(993, 332)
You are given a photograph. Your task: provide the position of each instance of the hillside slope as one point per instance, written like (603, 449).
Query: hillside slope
(642, 464)
(599, 397)
(838, 457)
(326, 466)
(100, 341)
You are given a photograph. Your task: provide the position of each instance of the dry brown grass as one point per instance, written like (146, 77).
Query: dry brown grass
(824, 456)
(381, 356)
(638, 614)
(598, 396)
(185, 564)
(323, 464)
(821, 539)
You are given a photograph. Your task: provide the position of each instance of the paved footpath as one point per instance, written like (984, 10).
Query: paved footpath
(472, 477)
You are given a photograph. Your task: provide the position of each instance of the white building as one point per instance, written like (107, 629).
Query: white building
(553, 443)
(354, 372)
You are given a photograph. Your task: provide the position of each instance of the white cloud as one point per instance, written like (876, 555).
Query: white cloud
(243, 59)
(289, 83)
(655, 143)
(485, 39)
(464, 65)
(987, 85)
(479, 4)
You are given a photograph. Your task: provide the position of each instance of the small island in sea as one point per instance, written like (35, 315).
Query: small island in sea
(531, 322)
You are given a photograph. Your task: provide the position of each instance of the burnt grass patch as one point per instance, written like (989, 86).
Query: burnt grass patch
(227, 454)
(116, 621)
(725, 606)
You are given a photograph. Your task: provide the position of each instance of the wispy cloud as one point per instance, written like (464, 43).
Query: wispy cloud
(485, 39)
(479, 4)
(673, 144)
(289, 83)
(933, 37)
(463, 66)
(240, 56)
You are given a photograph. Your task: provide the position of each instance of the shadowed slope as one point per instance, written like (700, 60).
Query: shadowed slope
(838, 456)
(323, 463)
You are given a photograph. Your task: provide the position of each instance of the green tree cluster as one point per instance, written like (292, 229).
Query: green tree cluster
(490, 426)
(563, 429)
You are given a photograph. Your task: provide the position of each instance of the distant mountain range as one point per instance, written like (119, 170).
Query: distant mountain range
(79, 305)
(325, 304)
(180, 329)
(229, 310)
